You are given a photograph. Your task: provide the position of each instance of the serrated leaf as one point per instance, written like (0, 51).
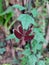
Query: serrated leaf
(24, 61)
(26, 20)
(34, 12)
(36, 47)
(36, 30)
(39, 37)
(26, 52)
(32, 60)
(41, 62)
(39, 55)
(47, 60)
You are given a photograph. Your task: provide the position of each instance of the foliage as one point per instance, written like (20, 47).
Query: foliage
(1, 10)
(12, 36)
(10, 13)
(26, 20)
(2, 47)
(47, 60)
(2, 50)
(27, 36)
(34, 12)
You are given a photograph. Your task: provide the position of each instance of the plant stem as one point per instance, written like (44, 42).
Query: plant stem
(29, 5)
(30, 46)
(12, 24)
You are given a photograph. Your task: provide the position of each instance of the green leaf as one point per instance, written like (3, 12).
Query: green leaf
(26, 20)
(24, 60)
(8, 10)
(8, 17)
(18, 7)
(2, 44)
(34, 12)
(26, 52)
(2, 20)
(47, 60)
(12, 36)
(39, 36)
(1, 6)
(41, 62)
(36, 46)
(36, 30)
(1, 10)
(39, 55)
(39, 47)
(32, 60)
(2, 50)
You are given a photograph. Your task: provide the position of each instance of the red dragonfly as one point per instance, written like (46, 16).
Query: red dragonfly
(23, 35)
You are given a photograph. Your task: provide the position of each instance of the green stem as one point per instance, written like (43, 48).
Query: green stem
(12, 24)
(29, 5)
